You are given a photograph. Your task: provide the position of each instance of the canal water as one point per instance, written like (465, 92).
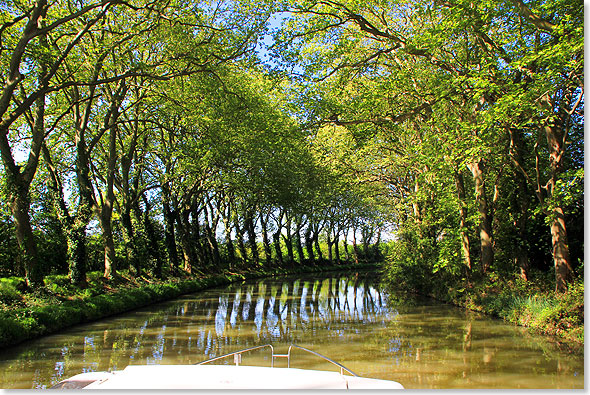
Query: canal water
(347, 317)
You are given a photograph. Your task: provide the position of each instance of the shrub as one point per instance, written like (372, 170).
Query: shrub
(9, 292)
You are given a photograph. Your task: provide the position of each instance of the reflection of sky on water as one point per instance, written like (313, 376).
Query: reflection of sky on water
(220, 316)
(349, 318)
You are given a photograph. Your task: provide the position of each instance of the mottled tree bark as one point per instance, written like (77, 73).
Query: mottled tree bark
(18, 183)
(202, 254)
(345, 245)
(561, 257)
(367, 234)
(19, 206)
(463, 231)
(108, 200)
(106, 213)
(485, 226)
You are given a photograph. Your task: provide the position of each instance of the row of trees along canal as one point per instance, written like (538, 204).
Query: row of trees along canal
(153, 130)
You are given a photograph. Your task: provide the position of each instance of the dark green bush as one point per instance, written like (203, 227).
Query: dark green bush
(9, 291)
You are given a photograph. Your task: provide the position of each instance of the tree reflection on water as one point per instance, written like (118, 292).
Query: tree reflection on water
(348, 317)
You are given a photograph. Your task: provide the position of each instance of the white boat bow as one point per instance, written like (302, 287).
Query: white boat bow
(206, 376)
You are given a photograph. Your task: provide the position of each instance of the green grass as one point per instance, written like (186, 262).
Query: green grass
(57, 305)
(533, 304)
(556, 314)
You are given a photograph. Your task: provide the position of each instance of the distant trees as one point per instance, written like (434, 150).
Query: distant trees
(150, 134)
(467, 108)
(150, 128)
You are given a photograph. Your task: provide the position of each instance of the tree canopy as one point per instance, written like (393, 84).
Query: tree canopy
(167, 136)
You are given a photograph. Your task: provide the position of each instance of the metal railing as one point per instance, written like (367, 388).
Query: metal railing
(238, 357)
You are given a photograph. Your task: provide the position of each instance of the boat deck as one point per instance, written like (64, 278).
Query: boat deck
(225, 377)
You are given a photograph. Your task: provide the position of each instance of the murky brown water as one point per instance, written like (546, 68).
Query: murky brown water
(348, 317)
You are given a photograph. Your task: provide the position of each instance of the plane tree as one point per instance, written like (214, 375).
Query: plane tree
(491, 65)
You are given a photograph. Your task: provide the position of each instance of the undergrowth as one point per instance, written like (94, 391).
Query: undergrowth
(26, 314)
(531, 303)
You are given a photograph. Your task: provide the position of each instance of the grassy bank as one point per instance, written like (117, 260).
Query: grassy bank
(529, 305)
(25, 315)
(532, 304)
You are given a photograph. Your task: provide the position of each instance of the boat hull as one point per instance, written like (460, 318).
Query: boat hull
(221, 377)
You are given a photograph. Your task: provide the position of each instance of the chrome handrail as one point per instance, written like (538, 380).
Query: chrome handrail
(240, 353)
(342, 367)
(238, 357)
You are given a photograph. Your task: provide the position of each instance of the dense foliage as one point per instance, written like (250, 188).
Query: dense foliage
(148, 135)
(163, 137)
(469, 114)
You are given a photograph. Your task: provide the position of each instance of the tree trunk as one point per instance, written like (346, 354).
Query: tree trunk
(336, 247)
(345, 245)
(107, 237)
(202, 253)
(376, 253)
(309, 244)
(231, 251)
(169, 234)
(329, 242)
(521, 256)
(18, 182)
(77, 254)
(142, 250)
(74, 228)
(463, 231)
(266, 242)
(240, 240)
(211, 238)
(106, 209)
(355, 249)
(289, 243)
(252, 239)
(77, 235)
(19, 205)
(276, 237)
(561, 257)
(288, 238)
(366, 241)
(299, 245)
(153, 245)
(186, 242)
(130, 242)
(485, 226)
(316, 241)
